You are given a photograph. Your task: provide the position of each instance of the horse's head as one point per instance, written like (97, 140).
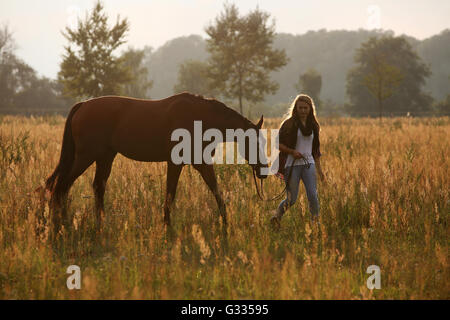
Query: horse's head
(250, 139)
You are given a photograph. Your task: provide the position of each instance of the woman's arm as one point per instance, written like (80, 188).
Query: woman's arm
(319, 169)
(293, 152)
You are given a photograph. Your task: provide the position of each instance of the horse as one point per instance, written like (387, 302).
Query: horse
(99, 128)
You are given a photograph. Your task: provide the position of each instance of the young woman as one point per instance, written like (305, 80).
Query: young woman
(300, 155)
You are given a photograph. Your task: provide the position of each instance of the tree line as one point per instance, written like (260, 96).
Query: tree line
(242, 62)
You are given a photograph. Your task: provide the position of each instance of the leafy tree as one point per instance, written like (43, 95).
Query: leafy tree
(11, 69)
(435, 51)
(164, 62)
(92, 69)
(381, 64)
(443, 107)
(310, 83)
(42, 95)
(331, 52)
(382, 80)
(139, 86)
(15, 77)
(20, 87)
(193, 77)
(241, 55)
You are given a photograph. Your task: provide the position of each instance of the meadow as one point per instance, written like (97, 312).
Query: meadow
(386, 204)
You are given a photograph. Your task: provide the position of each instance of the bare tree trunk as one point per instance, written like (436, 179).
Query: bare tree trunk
(380, 106)
(380, 101)
(240, 95)
(240, 104)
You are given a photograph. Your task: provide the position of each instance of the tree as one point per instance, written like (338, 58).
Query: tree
(310, 83)
(92, 69)
(241, 55)
(165, 61)
(382, 79)
(381, 64)
(7, 45)
(15, 77)
(193, 77)
(42, 95)
(435, 52)
(330, 52)
(20, 87)
(133, 61)
(442, 108)
(8, 68)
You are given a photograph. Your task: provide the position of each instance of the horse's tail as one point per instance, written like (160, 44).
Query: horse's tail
(67, 152)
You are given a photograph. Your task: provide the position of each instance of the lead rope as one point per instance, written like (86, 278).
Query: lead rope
(277, 197)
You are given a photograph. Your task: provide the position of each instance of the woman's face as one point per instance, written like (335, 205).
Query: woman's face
(302, 109)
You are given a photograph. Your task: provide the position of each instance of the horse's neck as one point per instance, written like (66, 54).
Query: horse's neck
(223, 119)
(235, 122)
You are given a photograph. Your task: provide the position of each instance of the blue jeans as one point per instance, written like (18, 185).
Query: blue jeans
(308, 176)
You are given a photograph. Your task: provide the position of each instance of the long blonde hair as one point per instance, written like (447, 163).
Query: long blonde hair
(311, 120)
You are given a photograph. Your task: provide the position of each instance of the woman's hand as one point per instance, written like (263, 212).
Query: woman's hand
(296, 154)
(322, 178)
(320, 171)
(293, 152)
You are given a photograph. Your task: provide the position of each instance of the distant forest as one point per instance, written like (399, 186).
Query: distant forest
(331, 53)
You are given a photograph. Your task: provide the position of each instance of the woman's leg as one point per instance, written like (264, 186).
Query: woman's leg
(309, 180)
(292, 189)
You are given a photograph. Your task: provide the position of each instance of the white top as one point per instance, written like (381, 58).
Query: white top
(304, 146)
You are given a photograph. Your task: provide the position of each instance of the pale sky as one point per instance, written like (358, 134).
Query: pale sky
(37, 25)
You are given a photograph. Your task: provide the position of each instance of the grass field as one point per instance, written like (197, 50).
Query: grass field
(386, 204)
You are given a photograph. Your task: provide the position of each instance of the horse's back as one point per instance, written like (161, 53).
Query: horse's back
(133, 127)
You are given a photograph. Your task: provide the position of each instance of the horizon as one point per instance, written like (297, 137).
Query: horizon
(42, 47)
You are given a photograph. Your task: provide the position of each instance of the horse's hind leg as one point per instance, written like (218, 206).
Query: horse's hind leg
(102, 172)
(207, 173)
(62, 187)
(173, 174)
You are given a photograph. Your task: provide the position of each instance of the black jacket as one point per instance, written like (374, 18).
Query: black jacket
(288, 136)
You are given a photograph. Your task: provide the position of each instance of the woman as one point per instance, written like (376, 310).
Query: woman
(300, 155)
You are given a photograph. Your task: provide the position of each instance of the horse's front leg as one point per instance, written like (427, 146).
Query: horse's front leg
(173, 174)
(207, 173)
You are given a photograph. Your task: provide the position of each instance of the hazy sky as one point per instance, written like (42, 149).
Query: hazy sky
(37, 25)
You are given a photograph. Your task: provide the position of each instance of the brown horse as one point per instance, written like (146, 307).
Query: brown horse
(96, 130)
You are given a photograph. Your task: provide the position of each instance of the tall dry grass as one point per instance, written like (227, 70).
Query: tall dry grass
(386, 203)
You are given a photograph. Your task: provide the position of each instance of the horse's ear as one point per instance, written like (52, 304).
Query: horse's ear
(260, 122)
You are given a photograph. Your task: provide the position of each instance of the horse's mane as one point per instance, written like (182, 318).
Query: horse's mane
(220, 108)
